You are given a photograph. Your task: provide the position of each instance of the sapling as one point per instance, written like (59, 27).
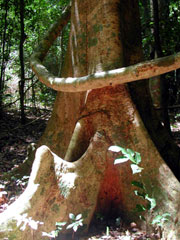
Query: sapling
(159, 220)
(55, 233)
(76, 222)
(141, 191)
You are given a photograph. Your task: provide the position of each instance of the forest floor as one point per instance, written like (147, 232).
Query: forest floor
(14, 139)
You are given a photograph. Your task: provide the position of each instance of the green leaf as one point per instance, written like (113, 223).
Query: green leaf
(137, 158)
(142, 218)
(72, 216)
(75, 228)
(123, 150)
(78, 216)
(136, 169)
(115, 148)
(152, 202)
(138, 184)
(140, 208)
(121, 160)
(81, 222)
(166, 215)
(143, 194)
(60, 223)
(130, 152)
(70, 226)
(157, 220)
(160, 219)
(56, 232)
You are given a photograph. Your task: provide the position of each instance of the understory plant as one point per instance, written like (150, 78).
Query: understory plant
(141, 190)
(75, 223)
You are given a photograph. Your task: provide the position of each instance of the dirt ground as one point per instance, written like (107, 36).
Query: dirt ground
(14, 139)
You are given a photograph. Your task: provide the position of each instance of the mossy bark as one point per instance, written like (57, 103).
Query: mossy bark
(76, 172)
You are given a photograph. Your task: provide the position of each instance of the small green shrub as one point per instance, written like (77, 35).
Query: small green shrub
(76, 222)
(141, 191)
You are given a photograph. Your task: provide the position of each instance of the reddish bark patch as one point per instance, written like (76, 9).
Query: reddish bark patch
(110, 196)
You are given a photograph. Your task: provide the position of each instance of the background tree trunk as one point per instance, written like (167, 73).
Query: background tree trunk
(87, 181)
(140, 92)
(163, 82)
(3, 57)
(21, 58)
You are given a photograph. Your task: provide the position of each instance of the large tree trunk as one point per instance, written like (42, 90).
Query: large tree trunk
(76, 172)
(140, 91)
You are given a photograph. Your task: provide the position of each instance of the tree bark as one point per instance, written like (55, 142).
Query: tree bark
(21, 58)
(3, 60)
(83, 177)
(141, 96)
(163, 82)
(101, 79)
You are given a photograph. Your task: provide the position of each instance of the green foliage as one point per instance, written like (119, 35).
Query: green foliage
(38, 16)
(138, 184)
(59, 227)
(160, 219)
(141, 191)
(76, 222)
(169, 26)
